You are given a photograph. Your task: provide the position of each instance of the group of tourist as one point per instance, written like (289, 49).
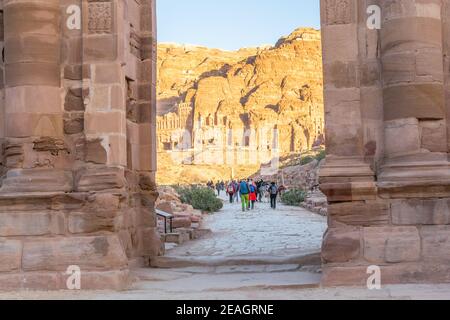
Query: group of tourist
(251, 192)
(219, 186)
(248, 192)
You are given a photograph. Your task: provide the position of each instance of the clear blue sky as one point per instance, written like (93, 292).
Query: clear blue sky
(233, 24)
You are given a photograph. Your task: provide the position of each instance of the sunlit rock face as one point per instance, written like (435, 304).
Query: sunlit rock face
(263, 99)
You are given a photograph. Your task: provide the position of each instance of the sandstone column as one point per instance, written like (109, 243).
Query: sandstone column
(33, 95)
(69, 195)
(401, 223)
(413, 92)
(345, 177)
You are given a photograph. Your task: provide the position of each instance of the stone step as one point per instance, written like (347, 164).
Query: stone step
(182, 235)
(176, 237)
(168, 262)
(198, 280)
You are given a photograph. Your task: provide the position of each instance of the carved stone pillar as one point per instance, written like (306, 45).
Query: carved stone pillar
(400, 221)
(70, 199)
(33, 97)
(413, 97)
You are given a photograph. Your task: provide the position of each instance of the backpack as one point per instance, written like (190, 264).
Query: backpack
(252, 189)
(230, 189)
(244, 188)
(273, 190)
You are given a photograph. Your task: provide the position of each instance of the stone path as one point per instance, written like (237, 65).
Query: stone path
(262, 232)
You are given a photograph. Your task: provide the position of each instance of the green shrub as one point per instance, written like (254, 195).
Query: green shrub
(321, 155)
(200, 198)
(293, 197)
(306, 160)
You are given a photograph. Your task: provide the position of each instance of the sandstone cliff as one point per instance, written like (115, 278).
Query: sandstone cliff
(269, 88)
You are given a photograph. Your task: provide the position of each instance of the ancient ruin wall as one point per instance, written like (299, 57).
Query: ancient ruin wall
(387, 175)
(78, 142)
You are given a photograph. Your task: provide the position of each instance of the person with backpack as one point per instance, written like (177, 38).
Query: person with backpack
(236, 191)
(273, 191)
(252, 195)
(244, 192)
(231, 190)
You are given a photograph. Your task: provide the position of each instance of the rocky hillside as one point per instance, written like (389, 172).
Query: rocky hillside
(277, 87)
(181, 66)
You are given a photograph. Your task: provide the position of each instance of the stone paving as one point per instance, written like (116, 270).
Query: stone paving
(263, 231)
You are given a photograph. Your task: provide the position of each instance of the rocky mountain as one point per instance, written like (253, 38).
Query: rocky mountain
(273, 92)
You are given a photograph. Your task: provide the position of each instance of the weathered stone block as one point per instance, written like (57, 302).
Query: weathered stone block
(74, 125)
(108, 73)
(103, 178)
(24, 223)
(20, 125)
(150, 243)
(421, 212)
(402, 136)
(436, 243)
(44, 48)
(340, 40)
(11, 253)
(341, 74)
(89, 253)
(391, 244)
(433, 135)
(341, 245)
(96, 152)
(37, 180)
(359, 214)
(100, 48)
(105, 122)
(89, 222)
(44, 20)
(32, 73)
(74, 100)
(420, 101)
(336, 12)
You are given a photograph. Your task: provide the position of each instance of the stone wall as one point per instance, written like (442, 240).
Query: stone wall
(387, 174)
(78, 135)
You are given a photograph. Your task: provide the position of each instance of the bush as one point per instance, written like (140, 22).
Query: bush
(200, 198)
(306, 160)
(321, 155)
(293, 197)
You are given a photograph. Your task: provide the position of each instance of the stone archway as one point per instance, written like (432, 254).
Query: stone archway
(387, 174)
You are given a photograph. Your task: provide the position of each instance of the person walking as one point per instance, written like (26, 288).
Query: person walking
(252, 195)
(231, 190)
(218, 188)
(273, 191)
(244, 192)
(236, 191)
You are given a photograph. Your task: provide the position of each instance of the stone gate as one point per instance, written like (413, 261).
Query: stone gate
(387, 176)
(77, 130)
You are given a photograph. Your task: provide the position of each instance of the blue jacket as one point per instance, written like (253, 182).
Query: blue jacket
(243, 188)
